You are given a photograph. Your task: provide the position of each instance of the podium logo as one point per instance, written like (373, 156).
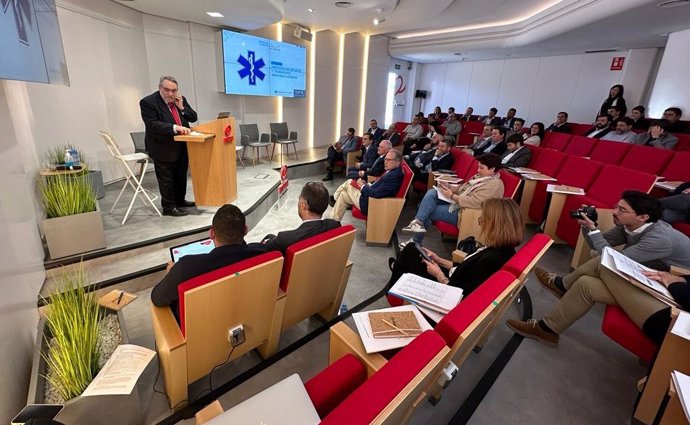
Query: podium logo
(251, 68)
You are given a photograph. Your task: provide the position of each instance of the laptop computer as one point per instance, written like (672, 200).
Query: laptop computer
(202, 246)
(285, 403)
(37, 411)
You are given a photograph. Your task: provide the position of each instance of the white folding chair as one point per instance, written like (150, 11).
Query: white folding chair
(130, 178)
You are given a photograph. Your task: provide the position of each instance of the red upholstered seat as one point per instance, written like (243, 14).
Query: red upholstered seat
(519, 262)
(372, 397)
(214, 275)
(575, 171)
(458, 319)
(463, 163)
(581, 146)
(332, 385)
(604, 193)
(469, 129)
(679, 167)
(578, 129)
(400, 126)
(548, 162)
(683, 144)
(647, 159)
(683, 227)
(618, 326)
(610, 152)
(536, 150)
(308, 243)
(556, 141)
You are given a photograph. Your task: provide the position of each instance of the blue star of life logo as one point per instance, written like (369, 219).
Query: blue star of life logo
(251, 68)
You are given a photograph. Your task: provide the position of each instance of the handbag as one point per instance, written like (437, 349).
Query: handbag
(468, 245)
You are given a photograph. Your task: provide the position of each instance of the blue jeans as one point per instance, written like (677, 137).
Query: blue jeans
(433, 209)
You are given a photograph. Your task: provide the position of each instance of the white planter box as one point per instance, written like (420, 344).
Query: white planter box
(74, 234)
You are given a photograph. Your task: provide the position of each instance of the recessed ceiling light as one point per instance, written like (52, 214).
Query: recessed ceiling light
(457, 54)
(343, 3)
(310, 10)
(214, 14)
(378, 21)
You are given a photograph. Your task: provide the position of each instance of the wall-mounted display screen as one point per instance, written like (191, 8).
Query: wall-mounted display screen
(262, 67)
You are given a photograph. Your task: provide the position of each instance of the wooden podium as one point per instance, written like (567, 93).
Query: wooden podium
(212, 162)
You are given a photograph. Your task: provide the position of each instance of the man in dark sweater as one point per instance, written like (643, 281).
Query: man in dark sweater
(313, 201)
(228, 229)
(645, 239)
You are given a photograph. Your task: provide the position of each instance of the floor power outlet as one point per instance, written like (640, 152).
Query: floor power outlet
(236, 335)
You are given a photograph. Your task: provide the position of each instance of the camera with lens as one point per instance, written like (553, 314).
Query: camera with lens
(588, 211)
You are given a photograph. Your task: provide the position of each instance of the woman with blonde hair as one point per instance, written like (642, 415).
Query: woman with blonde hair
(502, 229)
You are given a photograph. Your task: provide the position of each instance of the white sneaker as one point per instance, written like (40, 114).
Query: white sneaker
(402, 245)
(414, 227)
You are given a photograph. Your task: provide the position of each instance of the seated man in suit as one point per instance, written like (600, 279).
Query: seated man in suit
(657, 136)
(357, 193)
(491, 119)
(516, 155)
(639, 120)
(436, 156)
(482, 140)
(375, 130)
(313, 201)
(623, 131)
(372, 163)
(561, 124)
(616, 115)
(509, 119)
(336, 152)
(228, 229)
(675, 125)
(677, 205)
(467, 116)
(601, 127)
(497, 145)
(391, 135)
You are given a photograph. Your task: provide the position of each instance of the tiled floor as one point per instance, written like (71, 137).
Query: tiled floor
(588, 379)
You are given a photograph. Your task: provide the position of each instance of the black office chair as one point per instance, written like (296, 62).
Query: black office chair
(138, 138)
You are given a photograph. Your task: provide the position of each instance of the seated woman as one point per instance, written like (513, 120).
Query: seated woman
(502, 229)
(536, 134)
(484, 185)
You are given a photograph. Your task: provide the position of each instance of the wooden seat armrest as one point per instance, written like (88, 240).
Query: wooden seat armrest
(679, 271)
(458, 256)
(344, 340)
(351, 158)
(207, 413)
(167, 331)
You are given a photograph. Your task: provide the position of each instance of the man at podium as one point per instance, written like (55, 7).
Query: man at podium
(165, 114)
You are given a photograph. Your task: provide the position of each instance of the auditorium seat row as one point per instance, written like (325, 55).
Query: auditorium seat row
(359, 388)
(265, 294)
(584, 146)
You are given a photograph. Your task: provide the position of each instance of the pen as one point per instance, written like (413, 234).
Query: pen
(120, 297)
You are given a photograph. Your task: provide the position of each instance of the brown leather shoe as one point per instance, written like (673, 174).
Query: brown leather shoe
(547, 280)
(531, 329)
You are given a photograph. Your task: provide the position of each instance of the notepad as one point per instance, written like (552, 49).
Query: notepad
(537, 176)
(568, 190)
(682, 383)
(448, 179)
(375, 345)
(394, 324)
(427, 293)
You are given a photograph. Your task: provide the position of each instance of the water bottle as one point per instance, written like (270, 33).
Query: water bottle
(343, 309)
(69, 161)
(76, 157)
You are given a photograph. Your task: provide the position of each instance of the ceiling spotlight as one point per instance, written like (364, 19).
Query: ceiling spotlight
(310, 10)
(214, 14)
(343, 3)
(378, 21)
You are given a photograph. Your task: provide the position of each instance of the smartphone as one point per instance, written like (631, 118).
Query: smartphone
(422, 252)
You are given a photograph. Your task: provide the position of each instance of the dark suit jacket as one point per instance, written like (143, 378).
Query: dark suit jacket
(521, 158)
(159, 127)
(498, 149)
(306, 230)
(165, 292)
(377, 168)
(495, 121)
(377, 134)
(563, 128)
(476, 269)
(508, 123)
(600, 135)
(368, 157)
(385, 187)
(445, 163)
(641, 124)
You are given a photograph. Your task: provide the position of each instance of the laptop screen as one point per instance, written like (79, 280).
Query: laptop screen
(203, 246)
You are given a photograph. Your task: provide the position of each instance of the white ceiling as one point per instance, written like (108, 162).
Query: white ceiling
(433, 30)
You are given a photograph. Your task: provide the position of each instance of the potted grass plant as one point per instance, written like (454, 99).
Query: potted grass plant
(76, 337)
(55, 158)
(73, 223)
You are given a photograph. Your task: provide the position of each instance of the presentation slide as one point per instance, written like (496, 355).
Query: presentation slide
(30, 42)
(262, 67)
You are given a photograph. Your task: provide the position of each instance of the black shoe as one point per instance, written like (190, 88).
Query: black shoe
(391, 261)
(174, 211)
(328, 178)
(331, 201)
(186, 204)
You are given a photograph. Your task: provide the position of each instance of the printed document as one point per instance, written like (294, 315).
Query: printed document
(121, 372)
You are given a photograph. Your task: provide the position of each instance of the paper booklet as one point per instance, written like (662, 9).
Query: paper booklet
(682, 383)
(427, 293)
(681, 327)
(568, 190)
(448, 179)
(632, 271)
(121, 372)
(371, 343)
(523, 170)
(537, 176)
(394, 324)
(668, 185)
(441, 196)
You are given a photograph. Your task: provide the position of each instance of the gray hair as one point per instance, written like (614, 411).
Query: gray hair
(387, 145)
(168, 78)
(396, 154)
